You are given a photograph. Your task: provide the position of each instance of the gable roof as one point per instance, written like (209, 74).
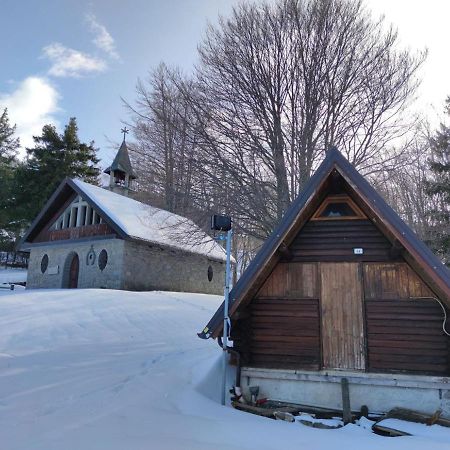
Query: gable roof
(434, 271)
(122, 161)
(133, 220)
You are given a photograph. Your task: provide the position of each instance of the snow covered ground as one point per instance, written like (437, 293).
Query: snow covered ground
(99, 369)
(12, 275)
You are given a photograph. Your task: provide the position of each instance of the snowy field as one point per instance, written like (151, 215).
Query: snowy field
(99, 369)
(12, 275)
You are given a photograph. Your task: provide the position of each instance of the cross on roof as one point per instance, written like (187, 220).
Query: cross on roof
(125, 131)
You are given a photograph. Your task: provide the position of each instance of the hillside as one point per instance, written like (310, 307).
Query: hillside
(98, 369)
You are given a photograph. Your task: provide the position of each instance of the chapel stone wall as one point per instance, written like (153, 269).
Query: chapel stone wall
(149, 267)
(91, 275)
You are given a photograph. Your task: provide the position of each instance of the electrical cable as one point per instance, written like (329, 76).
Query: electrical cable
(443, 309)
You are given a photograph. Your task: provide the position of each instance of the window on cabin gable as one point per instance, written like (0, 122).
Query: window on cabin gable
(341, 209)
(338, 207)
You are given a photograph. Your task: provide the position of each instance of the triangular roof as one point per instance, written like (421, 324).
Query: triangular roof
(419, 256)
(130, 219)
(122, 161)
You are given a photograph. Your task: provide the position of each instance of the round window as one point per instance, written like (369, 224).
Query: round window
(102, 259)
(44, 263)
(210, 273)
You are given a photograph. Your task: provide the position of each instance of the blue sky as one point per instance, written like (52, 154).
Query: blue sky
(77, 58)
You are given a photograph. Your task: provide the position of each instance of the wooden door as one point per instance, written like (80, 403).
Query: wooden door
(342, 316)
(73, 273)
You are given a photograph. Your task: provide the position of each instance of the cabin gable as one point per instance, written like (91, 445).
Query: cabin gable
(342, 296)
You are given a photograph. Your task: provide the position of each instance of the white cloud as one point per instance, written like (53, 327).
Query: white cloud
(67, 62)
(31, 105)
(103, 39)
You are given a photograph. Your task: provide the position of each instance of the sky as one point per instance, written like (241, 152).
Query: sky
(62, 59)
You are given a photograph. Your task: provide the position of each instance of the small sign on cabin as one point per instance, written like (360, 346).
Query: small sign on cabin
(358, 251)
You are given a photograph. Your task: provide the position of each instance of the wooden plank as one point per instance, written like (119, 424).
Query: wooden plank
(417, 416)
(393, 337)
(288, 280)
(401, 344)
(342, 316)
(392, 281)
(403, 335)
(334, 240)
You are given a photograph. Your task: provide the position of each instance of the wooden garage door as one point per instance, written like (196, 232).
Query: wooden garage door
(342, 316)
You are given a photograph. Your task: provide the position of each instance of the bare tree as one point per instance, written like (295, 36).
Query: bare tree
(278, 84)
(404, 187)
(163, 149)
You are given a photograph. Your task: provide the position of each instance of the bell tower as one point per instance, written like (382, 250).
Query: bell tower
(120, 172)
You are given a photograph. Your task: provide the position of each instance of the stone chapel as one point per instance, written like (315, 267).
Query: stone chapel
(88, 236)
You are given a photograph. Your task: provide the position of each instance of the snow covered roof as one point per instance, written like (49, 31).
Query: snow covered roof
(140, 221)
(128, 218)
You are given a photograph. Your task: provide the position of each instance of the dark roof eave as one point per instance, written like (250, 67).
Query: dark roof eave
(68, 182)
(406, 236)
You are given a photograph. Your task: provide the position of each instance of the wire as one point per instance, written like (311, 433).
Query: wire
(443, 309)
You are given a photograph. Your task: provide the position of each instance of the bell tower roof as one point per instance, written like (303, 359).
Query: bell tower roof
(121, 172)
(122, 161)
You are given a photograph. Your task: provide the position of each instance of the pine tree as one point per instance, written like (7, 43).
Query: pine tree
(9, 145)
(8, 142)
(53, 157)
(438, 188)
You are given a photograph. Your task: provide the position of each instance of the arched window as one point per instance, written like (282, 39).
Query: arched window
(102, 259)
(44, 263)
(210, 273)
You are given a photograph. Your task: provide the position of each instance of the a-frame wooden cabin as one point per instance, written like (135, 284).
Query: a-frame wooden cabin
(343, 288)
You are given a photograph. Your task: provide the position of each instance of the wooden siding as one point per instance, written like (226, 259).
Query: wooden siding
(403, 334)
(100, 229)
(291, 280)
(334, 240)
(393, 281)
(343, 343)
(282, 327)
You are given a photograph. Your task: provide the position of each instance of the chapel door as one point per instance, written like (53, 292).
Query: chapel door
(342, 321)
(73, 273)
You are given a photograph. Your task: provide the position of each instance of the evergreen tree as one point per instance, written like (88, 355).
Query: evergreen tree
(8, 142)
(8, 151)
(438, 188)
(54, 157)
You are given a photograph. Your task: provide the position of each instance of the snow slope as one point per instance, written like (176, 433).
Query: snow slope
(98, 369)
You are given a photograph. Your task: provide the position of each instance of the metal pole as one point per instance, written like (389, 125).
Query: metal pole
(225, 315)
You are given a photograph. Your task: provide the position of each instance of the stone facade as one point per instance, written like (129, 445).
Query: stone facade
(134, 266)
(90, 274)
(148, 267)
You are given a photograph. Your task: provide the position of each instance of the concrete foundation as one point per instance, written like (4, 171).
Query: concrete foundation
(380, 392)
